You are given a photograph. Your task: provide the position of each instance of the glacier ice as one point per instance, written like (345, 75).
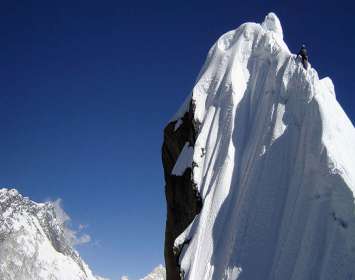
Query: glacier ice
(278, 175)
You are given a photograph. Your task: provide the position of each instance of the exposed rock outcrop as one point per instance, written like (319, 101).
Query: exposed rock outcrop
(183, 200)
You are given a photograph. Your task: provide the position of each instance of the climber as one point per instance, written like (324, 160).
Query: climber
(304, 56)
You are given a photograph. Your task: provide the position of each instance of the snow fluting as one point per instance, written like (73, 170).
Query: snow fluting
(273, 162)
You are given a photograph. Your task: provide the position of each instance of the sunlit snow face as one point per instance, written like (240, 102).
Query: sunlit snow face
(270, 18)
(272, 23)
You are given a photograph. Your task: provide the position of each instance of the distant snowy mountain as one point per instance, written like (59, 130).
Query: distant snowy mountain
(34, 242)
(157, 274)
(260, 168)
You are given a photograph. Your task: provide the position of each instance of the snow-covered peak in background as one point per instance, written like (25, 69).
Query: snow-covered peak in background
(34, 242)
(157, 274)
(274, 163)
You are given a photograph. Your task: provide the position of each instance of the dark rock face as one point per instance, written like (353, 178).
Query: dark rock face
(182, 198)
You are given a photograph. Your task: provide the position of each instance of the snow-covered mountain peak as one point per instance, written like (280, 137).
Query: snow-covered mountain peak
(9, 195)
(157, 274)
(265, 151)
(34, 241)
(272, 23)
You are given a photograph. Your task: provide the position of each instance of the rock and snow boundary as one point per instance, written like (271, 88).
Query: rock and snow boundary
(277, 172)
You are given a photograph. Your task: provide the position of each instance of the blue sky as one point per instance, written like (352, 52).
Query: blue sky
(87, 87)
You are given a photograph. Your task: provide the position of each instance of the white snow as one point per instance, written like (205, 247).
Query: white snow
(184, 160)
(278, 174)
(272, 23)
(178, 124)
(157, 274)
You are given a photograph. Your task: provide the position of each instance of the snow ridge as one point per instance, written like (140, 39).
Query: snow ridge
(277, 174)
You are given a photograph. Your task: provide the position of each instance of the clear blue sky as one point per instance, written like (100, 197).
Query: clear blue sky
(87, 87)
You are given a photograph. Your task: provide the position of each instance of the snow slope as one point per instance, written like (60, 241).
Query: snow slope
(274, 162)
(33, 243)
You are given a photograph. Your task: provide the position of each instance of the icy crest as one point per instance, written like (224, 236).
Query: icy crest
(277, 176)
(272, 23)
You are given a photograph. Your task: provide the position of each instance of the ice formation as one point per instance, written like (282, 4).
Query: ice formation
(278, 173)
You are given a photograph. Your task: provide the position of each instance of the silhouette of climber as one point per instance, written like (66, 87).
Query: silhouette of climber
(304, 56)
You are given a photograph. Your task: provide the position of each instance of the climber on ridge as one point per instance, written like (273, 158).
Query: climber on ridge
(304, 56)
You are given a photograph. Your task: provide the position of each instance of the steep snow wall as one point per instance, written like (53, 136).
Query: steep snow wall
(273, 161)
(33, 245)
